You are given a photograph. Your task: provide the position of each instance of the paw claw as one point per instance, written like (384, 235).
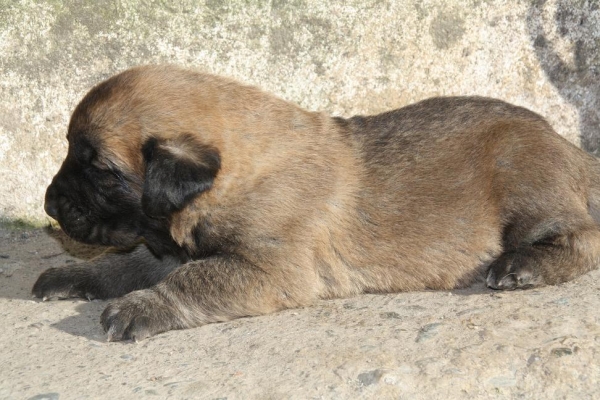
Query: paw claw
(65, 283)
(508, 282)
(135, 317)
(511, 271)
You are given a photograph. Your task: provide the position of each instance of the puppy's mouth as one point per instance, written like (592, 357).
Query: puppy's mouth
(83, 226)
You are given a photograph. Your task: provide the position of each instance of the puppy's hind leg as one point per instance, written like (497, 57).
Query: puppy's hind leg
(214, 289)
(112, 274)
(551, 260)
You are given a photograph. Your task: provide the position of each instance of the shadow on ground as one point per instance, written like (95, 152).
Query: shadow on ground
(26, 253)
(86, 323)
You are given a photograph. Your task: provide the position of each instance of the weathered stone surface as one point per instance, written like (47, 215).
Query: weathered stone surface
(344, 57)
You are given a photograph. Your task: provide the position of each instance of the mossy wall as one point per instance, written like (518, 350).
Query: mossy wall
(343, 57)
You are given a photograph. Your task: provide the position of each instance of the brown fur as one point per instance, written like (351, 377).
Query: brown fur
(249, 204)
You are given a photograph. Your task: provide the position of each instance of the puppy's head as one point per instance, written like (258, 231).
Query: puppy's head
(131, 163)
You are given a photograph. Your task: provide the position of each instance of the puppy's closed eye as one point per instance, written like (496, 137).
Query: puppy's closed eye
(84, 152)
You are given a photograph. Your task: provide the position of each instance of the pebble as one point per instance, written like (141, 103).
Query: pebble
(390, 315)
(428, 331)
(45, 396)
(561, 351)
(370, 378)
(562, 301)
(502, 381)
(533, 359)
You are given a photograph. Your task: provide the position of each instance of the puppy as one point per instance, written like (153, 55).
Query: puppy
(224, 201)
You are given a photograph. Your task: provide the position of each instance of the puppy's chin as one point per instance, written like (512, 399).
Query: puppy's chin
(101, 234)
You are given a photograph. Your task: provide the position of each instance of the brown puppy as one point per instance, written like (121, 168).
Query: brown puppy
(247, 204)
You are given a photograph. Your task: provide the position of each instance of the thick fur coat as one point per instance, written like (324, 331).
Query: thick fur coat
(225, 201)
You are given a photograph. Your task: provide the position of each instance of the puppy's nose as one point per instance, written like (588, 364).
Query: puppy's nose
(51, 209)
(50, 205)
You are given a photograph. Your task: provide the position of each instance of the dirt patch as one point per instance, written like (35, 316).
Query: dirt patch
(475, 343)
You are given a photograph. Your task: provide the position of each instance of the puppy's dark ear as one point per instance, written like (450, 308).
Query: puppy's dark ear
(176, 171)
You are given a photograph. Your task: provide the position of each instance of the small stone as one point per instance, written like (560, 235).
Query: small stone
(45, 396)
(427, 332)
(370, 378)
(562, 301)
(533, 359)
(502, 381)
(390, 315)
(561, 351)
(471, 324)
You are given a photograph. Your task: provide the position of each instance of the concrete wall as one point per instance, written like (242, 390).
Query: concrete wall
(344, 57)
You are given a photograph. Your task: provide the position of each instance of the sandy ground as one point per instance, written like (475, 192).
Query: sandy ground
(475, 343)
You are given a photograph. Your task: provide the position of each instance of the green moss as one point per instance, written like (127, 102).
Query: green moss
(22, 224)
(7, 8)
(447, 29)
(96, 16)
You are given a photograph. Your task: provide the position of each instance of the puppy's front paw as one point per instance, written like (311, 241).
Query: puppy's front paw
(513, 270)
(66, 282)
(137, 316)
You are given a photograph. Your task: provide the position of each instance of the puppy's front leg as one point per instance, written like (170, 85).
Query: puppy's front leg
(214, 289)
(112, 274)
